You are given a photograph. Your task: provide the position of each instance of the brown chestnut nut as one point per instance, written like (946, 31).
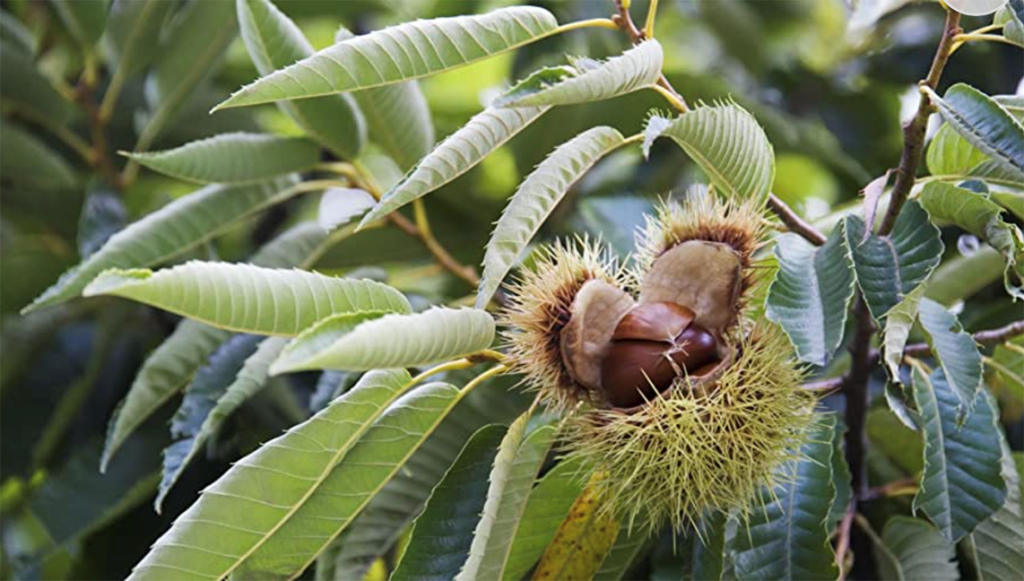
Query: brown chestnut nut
(653, 345)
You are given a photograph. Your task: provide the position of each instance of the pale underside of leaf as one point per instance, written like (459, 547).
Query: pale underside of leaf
(169, 231)
(457, 154)
(898, 323)
(246, 298)
(400, 53)
(985, 123)
(511, 481)
(400, 340)
(233, 158)
(637, 68)
(536, 197)
(729, 146)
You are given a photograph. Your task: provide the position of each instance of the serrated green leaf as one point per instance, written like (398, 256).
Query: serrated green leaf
(789, 538)
(547, 507)
(457, 154)
(398, 117)
(811, 294)
(582, 541)
(961, 485)
(637, 68)
(30, 162)
(950, 154)
(997, 544)
(956, 352)
(379, 526)
(288, 480)
(400, 53)
(898, 323)
(729, 146)
(199, 398)
(246, 298)
(165, 372)
(980, 216)
(22, 85)
(889, 268)
(273, 41)
(194, 41)
(984, 123)
(85, 19)
(177, 227)
(911, 549)
(233, 158)
(439, 542)
(1012, 201)
(536, 197)
(403, 340)
(519, 459)
(238, 370)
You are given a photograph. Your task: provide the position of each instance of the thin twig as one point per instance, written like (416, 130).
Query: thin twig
(101, 158)
(794, 222)
(914, 131)
(891, 488)
(843, 542)
(825, 385)
(989, 337)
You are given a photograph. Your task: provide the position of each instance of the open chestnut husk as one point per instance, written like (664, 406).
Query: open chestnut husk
(653, 345)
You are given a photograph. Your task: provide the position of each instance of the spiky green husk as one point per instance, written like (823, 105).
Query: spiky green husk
(682, 454)
(541, 302)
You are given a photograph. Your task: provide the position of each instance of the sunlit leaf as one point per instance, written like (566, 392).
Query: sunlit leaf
(637, 68)
(889, 268)
(982, 217)
(811, 294)
(984, 123)
(399, 53)
(582, 542)
(955, 350)
(789, 538)
(519, 459)
(727, 143)
(441, 536)
(457, 154)
(273, 42)
(246, 298)
(536, 197)
(898, 323)
(177, 227)
(233, 158)
(961, 485)
(400, 340)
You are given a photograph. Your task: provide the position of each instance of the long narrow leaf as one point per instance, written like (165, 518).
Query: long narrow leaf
(536, 197)
(273, 41)
(400, 340)
(400, 53)
(458, 153)
(246, 298)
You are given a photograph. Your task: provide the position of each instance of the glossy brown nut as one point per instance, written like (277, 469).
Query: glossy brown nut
(635, 370)
(654, 322)
(694, 348)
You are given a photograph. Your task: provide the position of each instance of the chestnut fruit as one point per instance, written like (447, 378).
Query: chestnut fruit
(653, 344)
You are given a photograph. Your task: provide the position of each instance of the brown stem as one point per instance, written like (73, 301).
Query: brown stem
(443, 257)
(989, 337)
(843, 541)
(100, 155)
(890, 487)
(794, 222)
(914, 131)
